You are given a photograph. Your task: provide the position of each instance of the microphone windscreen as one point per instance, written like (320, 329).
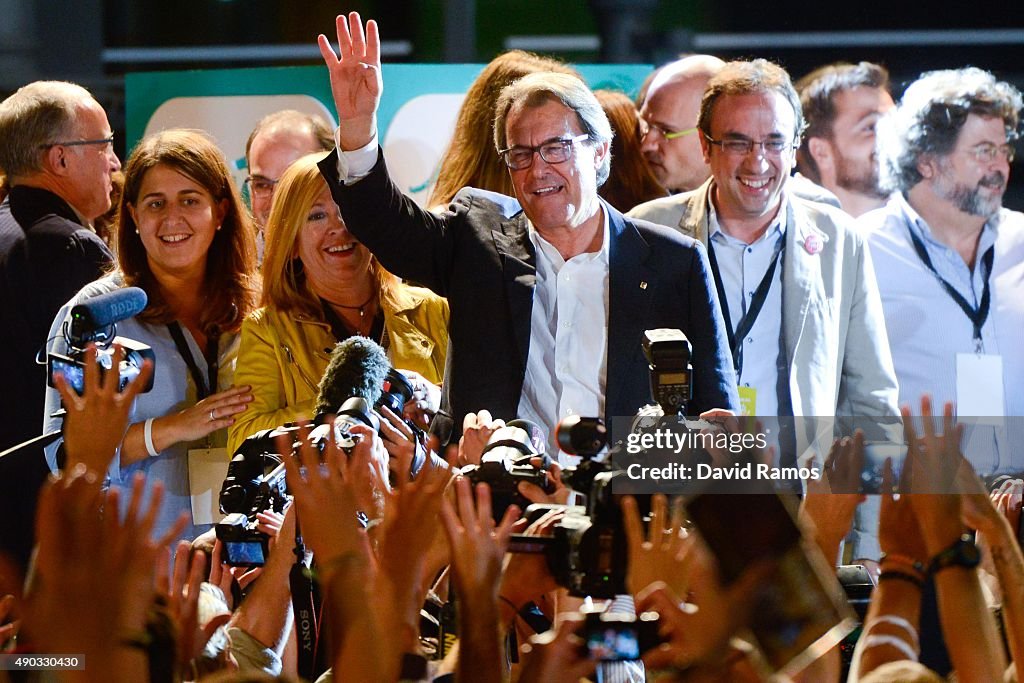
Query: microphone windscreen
(358, 367)
(106, 309)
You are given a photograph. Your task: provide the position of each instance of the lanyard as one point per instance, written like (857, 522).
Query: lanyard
(203, 388)
(746, 323)
(978, 315)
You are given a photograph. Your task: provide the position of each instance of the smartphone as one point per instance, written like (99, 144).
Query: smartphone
(619, 638)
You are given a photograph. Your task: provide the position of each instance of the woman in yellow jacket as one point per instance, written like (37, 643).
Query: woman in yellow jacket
(320, 286)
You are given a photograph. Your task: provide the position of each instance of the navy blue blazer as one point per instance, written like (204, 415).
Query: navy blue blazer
(478, 255)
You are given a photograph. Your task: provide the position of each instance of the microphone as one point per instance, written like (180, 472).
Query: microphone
(358, 367)
(90, 318)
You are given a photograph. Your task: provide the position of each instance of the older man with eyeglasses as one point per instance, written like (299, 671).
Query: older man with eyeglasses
(549, 293)
(797, 287)
(56, 149)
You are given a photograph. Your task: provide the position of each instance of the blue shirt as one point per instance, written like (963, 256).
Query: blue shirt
(927, 329)
(173, 390)
(742, 266)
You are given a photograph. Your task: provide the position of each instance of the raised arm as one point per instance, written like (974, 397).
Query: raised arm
(356, 82)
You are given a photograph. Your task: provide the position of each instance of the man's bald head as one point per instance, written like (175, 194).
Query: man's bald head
(275, 142)
(671, 106)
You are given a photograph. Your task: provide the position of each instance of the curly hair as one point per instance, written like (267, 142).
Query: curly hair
(929, 118)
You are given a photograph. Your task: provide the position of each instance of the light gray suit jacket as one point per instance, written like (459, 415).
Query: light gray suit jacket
(837, 350)
(836, 347)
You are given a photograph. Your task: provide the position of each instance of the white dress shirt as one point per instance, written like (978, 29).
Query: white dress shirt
(567, 363)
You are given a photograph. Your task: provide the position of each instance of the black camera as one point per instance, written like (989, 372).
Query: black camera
(614, 637)
(587, 551)
(504, 463)
(255, 483)
(668, 356)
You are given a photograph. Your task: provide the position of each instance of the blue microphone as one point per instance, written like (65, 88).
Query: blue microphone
(90, 319)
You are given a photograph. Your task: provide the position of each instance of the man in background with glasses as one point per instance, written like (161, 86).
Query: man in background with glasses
(950, 258)
(796, 283)
(669, 122)
(56, 149)
(550, 293)
(274, 144)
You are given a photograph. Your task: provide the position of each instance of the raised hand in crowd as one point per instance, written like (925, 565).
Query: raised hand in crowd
(831, 500)
(996, 517)
(356, 82)
(934, 461)
(663, 553)
(96, 421)
(478, 548)
(557, 655)
(408, 533)
(94, 573)
(890, 631)
(477, 429)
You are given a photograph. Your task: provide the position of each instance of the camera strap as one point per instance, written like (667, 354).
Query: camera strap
(746, 323)
(203, 387)
(978, 315)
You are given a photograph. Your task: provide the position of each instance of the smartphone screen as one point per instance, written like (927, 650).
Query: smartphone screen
(612, 642)
(73, 372)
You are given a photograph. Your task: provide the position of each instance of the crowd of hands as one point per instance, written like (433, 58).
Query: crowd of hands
(103, 585)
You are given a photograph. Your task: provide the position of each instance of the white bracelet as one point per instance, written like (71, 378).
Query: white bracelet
(892, 641)
(147, 435)
(900, 622)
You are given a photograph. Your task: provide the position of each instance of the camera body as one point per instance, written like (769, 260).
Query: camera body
(72, 366)
(256, 483)
(504, 463)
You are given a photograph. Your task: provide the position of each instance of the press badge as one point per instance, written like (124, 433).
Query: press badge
(979, 388)
(207, 469)
(748, 400)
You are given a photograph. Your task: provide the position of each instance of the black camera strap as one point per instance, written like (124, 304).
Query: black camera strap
(978, 315)
(746, 323)
(306, 604)
(203, 387)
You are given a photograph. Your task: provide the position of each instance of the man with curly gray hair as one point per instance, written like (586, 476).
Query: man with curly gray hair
(949, 258)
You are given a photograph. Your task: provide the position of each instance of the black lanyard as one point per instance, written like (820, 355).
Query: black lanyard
(978, 315)
(203, 388)
(746, 323)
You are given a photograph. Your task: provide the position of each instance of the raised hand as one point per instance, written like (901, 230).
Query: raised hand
(661, 555)
(356, 82)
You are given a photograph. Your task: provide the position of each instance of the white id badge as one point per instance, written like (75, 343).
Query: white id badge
(207, 468)
(979, 388)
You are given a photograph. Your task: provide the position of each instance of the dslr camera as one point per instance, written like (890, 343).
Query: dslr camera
(505, 462)
(256, 483)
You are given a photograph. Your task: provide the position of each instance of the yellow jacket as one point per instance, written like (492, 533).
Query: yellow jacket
(284, 354)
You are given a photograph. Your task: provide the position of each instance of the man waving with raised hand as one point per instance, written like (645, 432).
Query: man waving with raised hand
(550, 292)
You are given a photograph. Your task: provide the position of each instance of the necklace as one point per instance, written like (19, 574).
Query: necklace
(361, 307)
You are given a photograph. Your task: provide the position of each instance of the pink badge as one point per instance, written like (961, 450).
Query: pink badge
(813, 244)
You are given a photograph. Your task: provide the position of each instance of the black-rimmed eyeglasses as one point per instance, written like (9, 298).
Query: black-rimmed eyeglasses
(738, 146)
(553, 152)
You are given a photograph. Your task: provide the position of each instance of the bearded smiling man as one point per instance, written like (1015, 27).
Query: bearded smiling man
(950, 259)
(842, 104)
